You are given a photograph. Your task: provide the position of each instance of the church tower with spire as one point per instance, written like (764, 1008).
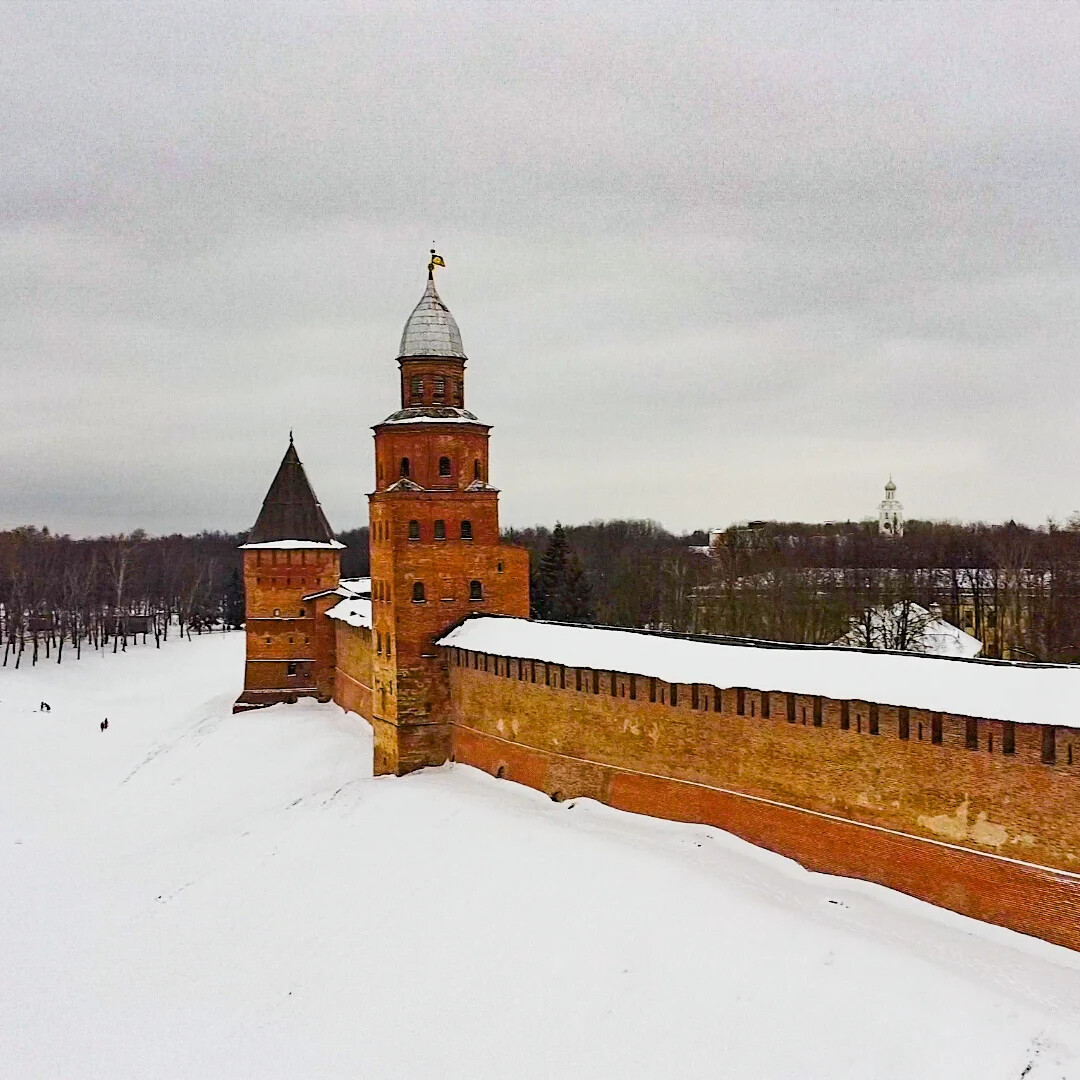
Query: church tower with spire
(890, 512)
(290, 554)
(435, 550)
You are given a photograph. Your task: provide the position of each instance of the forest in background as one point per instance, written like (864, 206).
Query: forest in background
(1017, 587)
(1014, 587)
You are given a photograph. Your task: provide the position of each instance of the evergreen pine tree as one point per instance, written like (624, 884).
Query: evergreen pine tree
(560, 590)
(549, 575)
(575, 596)
(234, 602)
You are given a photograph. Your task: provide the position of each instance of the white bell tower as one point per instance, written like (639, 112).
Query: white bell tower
(890, 513)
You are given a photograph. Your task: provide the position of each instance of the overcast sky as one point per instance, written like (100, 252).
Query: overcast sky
(710, 261)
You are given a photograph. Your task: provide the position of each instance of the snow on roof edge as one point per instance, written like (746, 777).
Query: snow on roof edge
(293, 545)
(993, 689)
(355, 612)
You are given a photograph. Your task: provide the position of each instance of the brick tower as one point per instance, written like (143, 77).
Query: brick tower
(435, 551)
(290, 553)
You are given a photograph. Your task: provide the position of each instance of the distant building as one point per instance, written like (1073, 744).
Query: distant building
(890, 513)
(745, 535)
(909, 627)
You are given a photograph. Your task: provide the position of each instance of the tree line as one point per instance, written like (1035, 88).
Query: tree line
(107, 592)
(1014, 587)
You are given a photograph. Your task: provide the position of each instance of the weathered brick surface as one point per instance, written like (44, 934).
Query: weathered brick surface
(731, 770)
(283, 629)
(435, 534)
(352, 667)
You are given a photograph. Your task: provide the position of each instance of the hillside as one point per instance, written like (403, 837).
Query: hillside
(197, 894)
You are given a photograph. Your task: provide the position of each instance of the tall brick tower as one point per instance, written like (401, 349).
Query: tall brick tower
(290, 553)
(435, 551)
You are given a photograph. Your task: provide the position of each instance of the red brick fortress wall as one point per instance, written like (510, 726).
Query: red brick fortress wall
(290, 643)
(436, 556)
(352, 667)
(955, 810)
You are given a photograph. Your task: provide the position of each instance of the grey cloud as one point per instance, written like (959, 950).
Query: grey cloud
(709, 261)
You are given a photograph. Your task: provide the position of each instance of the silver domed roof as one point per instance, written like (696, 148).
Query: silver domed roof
(431, 329)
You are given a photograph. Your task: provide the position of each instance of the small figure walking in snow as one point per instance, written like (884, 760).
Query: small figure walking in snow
(105, 724)
(45, 707)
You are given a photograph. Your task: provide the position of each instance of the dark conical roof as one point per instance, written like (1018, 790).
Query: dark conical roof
(290, 510)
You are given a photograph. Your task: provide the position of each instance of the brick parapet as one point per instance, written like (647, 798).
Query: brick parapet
(980, 800)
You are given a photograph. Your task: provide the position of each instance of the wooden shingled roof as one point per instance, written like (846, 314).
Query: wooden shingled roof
(290, 510)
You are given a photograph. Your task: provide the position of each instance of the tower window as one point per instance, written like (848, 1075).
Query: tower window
(444, 466)
(440, 388)
(301, 613)
(456, 383)
(476, 471)
(418, 592)
(466, 532)
(414, 530)
(416, 388)
(440, 530)
(291, 669)
(404, 466)
(476, 590)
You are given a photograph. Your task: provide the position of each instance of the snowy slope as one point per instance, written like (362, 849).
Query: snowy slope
(196, 894)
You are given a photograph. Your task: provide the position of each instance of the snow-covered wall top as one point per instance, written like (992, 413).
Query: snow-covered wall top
(353, 612)
(294, 545)
(1024, 693)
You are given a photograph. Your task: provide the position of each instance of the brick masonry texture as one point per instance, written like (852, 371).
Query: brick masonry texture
(352, 668)
(290, 642)
(436, 556)
(991, 835)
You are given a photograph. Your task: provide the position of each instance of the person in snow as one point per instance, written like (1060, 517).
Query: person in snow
(45, 707)
(105, 724)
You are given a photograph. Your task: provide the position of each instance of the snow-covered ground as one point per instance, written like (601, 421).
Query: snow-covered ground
(197, 894)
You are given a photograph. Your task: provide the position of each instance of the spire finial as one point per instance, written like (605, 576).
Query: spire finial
(290, 436)
(436, 260)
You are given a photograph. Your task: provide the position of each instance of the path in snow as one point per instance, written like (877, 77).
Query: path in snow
(197, 894)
